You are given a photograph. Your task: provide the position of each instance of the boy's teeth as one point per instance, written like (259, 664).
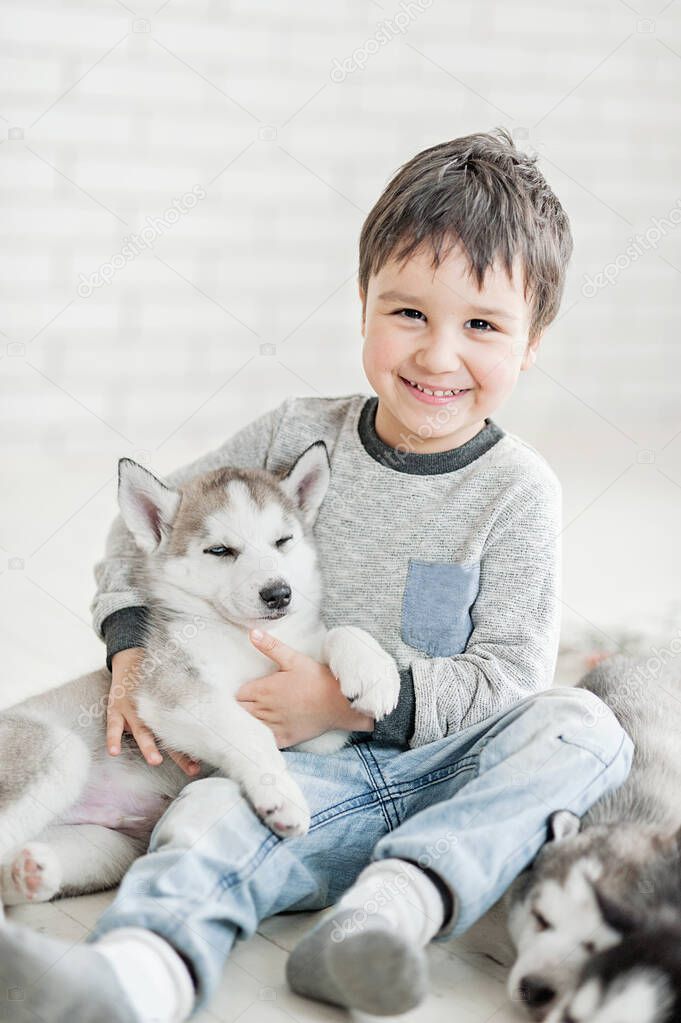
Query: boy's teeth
(436, 394)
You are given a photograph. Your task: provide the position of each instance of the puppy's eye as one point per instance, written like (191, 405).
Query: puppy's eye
(589, 946)
(222, 552)
(540, 920)
(282, 541)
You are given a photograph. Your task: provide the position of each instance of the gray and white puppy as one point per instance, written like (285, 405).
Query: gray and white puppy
(229, 550)
(616, 856)
(637, 980)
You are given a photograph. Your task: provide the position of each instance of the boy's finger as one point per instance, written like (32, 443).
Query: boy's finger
(189, 766)
(145, 740)
(284, 656)
(250, 705)
(114, 731)
(249, 691)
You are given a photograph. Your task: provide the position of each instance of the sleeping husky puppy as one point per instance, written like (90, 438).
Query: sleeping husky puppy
(637, 980)
(616, 856)
(230, 550)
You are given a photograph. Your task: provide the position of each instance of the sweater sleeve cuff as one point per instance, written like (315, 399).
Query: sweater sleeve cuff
(397, 728)
(437, 699)
(124, 629)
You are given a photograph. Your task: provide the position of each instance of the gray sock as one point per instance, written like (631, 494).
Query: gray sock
(368, 967)
(47, 981)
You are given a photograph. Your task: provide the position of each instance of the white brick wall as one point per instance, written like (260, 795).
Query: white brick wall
(117, 123)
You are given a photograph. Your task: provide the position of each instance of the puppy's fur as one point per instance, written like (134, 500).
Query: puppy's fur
(594, 874)
(229, 550)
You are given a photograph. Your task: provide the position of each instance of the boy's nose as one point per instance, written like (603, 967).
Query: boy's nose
(441, 354)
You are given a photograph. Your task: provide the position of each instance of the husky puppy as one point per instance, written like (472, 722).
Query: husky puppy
(614, 856)
(637, 980)
(229, 550)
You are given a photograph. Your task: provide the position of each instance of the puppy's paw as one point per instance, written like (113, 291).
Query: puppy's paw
(280, 805)
(367, 675)
(380, 692)
(32, 875)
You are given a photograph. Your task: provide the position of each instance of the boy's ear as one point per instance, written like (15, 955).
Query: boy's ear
(362, 298)
(530, 353)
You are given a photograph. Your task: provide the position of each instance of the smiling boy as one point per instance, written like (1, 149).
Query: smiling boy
(440, 534)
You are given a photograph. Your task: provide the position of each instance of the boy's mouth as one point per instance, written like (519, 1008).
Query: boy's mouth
(431, 396)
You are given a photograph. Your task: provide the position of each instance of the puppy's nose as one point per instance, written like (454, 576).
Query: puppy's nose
(535, 992)
(277, 595)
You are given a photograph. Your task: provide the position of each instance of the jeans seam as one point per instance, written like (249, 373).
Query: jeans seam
(387, 788)
(434, 777)
(234, 877)
(376, 790)
(598, 753)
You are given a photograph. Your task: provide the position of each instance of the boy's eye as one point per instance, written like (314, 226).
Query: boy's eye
(222, 552)
(476, 324)
(400, 311)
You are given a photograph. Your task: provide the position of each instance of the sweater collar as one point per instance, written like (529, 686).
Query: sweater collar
(432, 463)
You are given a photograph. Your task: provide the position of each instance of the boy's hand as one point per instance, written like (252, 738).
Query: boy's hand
(122, 716)
(300, 701)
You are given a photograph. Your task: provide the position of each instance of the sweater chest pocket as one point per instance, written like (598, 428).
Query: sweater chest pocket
(436, 606)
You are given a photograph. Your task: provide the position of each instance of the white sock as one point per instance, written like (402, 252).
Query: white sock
(402, 895)
(154, 977)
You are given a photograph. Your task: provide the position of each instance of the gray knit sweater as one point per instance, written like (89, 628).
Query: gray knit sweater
(450, 560)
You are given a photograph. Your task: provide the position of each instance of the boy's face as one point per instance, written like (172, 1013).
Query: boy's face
(435, 328)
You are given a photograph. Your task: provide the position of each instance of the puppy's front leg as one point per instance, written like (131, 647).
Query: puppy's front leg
(217, 730)
(367, 675)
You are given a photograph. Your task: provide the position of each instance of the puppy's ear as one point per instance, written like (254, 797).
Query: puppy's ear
(147, 505)
(621, 918)
(308, 479)
(562, 824)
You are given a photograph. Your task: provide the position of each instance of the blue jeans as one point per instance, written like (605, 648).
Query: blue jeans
(471, 807)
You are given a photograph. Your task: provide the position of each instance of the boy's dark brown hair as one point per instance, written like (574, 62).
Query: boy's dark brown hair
(482, 191)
